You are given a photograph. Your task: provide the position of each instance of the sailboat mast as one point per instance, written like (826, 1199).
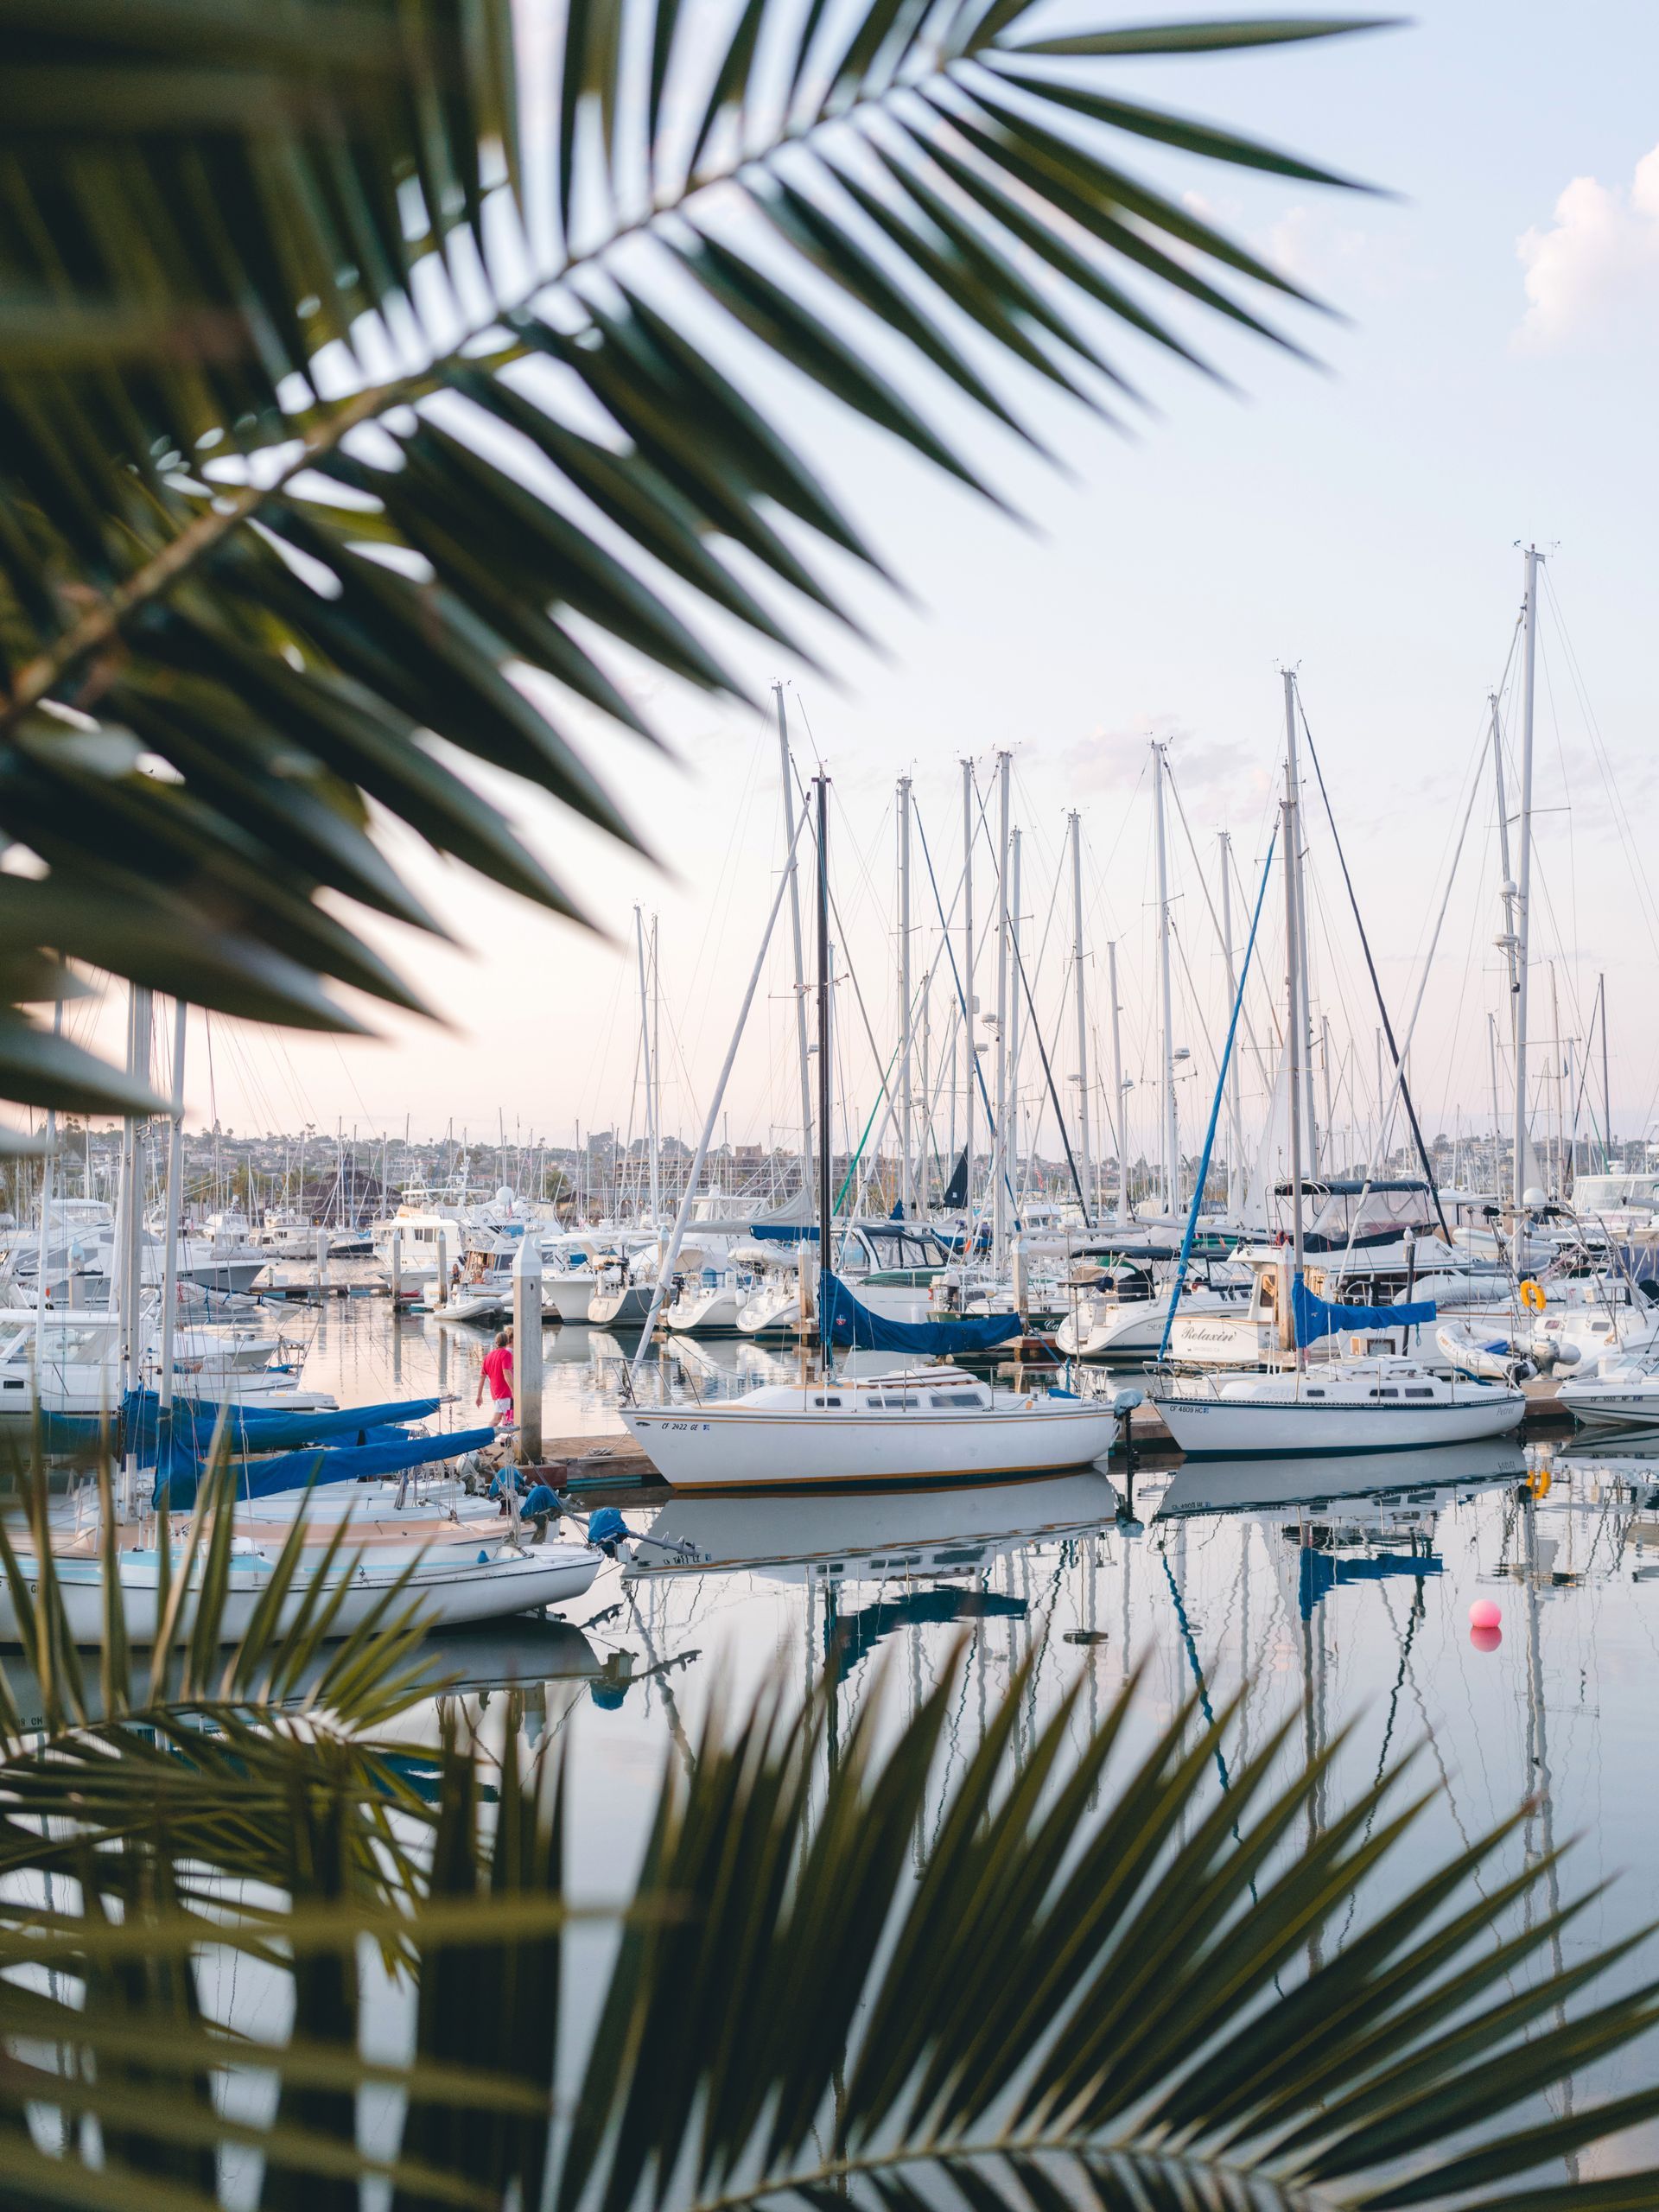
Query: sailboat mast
(1302, 1012)
(1085, 1174)
(174, 1197)
(1606, 1094)
(906, 1194)
(969, 1064)
(826, 1145)
(1000, 1138)
(1295, 1037)
(1236, 1136)
(1523, 880)
(795, 936)
(645, 1040)
(1168, 1139)
(656, 1079)
(140, 1015)
(1013, 1010)
(1117, 1128)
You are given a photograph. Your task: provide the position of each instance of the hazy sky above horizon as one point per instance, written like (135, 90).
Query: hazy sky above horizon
(1492, 383)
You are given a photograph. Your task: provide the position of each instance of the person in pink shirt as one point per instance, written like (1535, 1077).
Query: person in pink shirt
(498, 1373)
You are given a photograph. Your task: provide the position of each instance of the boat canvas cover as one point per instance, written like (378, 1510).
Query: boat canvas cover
(1318, 1317)
(845, 1320)
(263, 1428)
(179, 1471)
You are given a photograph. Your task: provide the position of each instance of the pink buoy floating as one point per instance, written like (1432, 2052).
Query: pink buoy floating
(1486, 1612)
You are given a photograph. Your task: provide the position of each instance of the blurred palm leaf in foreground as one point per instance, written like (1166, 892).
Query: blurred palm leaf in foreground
(1103, 1984)
(347, 441)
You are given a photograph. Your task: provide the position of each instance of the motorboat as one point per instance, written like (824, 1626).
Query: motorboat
(1119, 1311)
(911, 1424)
(572, 1262)
(622, 1294)
(78, 1247)
(1621, 1392)
(1379, 1404)
(69, 1361)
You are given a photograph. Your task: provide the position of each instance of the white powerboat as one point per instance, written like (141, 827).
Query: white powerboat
(916, 1424)
(1621, 1393)
(1121, 1313)
(1352, 1405)
(621, 1299)
(69, 1362)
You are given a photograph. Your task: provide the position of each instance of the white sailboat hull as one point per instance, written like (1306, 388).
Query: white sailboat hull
(709, 1313)
(737, 1447)
(1208, 1424)
(773, 1313)
(457, 1584)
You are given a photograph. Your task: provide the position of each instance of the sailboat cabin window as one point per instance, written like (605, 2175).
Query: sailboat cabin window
(835, 1401)
(1427, 1392)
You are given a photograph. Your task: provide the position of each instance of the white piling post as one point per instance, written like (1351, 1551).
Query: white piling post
(396, 1267)
(442, 1295)
(527, 1348)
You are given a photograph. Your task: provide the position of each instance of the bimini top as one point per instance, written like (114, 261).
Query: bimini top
(1349, 1186)
(1349, 1211)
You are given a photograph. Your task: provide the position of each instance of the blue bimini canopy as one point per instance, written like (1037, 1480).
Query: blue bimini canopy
(261, 1428)
(1318, 1317)
(845, 1321)
(177, 1479)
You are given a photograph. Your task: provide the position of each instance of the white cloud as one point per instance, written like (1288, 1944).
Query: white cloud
(1209, 771)
(1595, 270)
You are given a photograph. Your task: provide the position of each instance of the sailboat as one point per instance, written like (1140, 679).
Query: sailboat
(1377, 1403)
(920, 1421)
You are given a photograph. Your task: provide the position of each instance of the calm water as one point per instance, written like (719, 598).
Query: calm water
(1335, 1593)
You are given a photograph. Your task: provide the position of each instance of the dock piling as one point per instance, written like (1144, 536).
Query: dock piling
(527, 1347)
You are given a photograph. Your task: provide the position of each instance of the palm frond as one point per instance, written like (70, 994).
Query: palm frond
(339, 433)
(1130, 2009)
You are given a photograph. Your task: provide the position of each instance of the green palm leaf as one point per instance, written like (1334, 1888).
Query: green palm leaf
(273, 282)
(1126, 2008)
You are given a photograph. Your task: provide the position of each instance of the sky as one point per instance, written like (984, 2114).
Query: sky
(1490, 382)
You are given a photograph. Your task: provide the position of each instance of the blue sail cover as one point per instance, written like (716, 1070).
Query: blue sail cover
(846, 1322)
(179, 1470)
(1318, 1317)
(261, 1428)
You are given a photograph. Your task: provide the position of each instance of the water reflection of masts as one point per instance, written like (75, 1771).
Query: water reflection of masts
(1540, 1797)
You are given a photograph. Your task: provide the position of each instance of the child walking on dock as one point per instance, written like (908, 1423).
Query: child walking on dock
(498, 1373)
